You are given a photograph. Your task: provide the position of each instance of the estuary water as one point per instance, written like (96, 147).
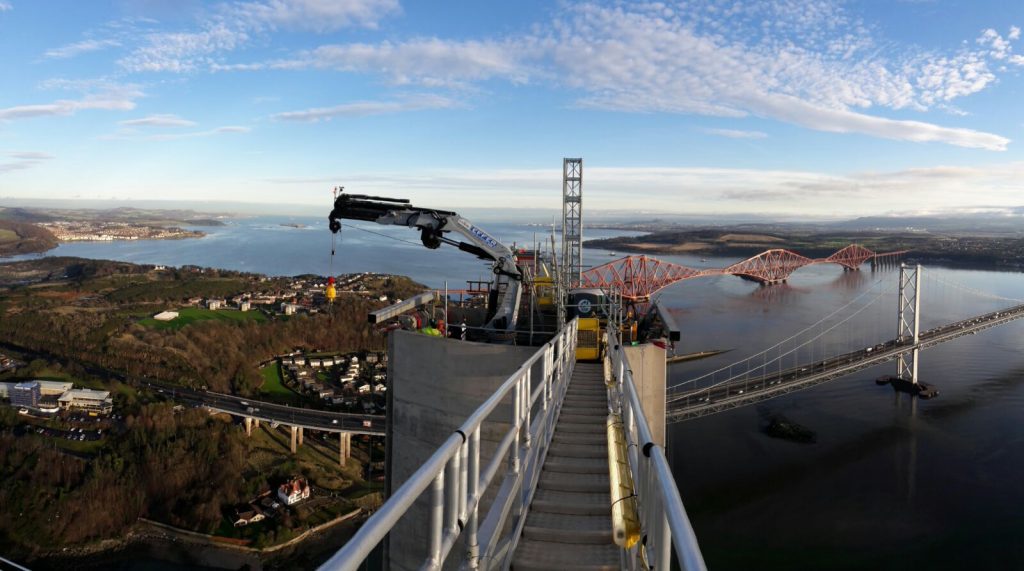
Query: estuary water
(890, 483)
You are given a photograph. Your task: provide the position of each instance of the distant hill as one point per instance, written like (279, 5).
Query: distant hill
(23, 238)
(969, 223)
(147, 216)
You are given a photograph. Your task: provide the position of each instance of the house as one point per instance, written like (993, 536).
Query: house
(325, 392)
(251, 513)
(166, 316)
(293, 491)
(364, 388)
(379, 387)
(244, 306)
(289, 308)
(214, 304)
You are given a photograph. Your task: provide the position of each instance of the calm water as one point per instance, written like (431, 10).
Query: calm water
(890, 484)
(262, 245)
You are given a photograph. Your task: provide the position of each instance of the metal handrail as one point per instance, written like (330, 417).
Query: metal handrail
(457, 481)
(662, 515)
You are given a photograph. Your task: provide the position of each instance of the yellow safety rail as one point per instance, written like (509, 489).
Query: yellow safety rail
(625, 516)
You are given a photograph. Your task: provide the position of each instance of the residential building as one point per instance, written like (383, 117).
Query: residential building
(214, 304)
(87, 399)
(293, 491)
(244, 306)
(289, 308)
(25, 394)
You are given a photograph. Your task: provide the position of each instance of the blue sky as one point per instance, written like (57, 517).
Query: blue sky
(788, 108)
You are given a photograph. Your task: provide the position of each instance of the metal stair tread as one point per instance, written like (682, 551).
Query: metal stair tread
(539, 555)
(576, 465)
(574, 482)
(591, 438)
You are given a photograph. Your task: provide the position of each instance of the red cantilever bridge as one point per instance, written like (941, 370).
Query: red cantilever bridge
(639, 277)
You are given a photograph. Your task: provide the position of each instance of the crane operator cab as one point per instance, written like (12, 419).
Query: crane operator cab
(591, 306)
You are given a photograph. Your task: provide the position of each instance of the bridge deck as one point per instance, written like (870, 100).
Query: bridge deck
(569, 521)
(746, 390)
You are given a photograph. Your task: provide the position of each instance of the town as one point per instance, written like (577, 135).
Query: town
(78, 231)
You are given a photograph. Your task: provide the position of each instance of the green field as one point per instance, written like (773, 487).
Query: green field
(272, 382)
(194, 314)
(8, 235)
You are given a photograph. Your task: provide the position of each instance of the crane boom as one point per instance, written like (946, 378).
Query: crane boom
(433, 225)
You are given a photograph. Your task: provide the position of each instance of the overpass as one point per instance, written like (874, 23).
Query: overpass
(297, 419)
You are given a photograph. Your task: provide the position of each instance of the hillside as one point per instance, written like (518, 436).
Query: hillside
(24, 238)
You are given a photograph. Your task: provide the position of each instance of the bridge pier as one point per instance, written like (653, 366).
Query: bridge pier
(344, 448)
(295, 433)
(300, 436)
(248, 426)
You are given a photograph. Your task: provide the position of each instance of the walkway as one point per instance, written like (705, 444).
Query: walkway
(568, 526)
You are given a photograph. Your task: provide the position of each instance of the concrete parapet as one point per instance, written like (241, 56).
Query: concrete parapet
(434, 384)
(647, 362)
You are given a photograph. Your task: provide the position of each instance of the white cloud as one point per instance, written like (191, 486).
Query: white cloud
(315, 15)
(736, 133)
(365, 108)
(158, 121)
(98, 94)
(183, 51)
(1014, 33)
(228, 129)
(429, 62)
(5, 6)
(703, 190)
(23, 160)
(234, 24)
(85, 46)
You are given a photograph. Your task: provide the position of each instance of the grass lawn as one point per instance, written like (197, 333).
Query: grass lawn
(272, 382)
(193, 314)
(8, 235)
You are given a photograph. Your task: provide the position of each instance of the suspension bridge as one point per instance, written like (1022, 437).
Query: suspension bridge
(639, 277)
(803, 359)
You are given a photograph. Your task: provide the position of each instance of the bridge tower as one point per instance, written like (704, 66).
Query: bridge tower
(572, 221)
(909, 320)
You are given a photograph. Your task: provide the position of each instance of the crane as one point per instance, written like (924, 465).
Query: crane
(433, 225)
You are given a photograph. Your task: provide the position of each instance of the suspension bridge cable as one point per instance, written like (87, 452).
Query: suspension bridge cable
(781, 355)
(974, 291)
(788, 339)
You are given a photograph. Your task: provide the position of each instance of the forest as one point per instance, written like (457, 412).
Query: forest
(80, 320)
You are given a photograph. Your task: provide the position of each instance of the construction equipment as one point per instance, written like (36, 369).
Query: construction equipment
(506, 290)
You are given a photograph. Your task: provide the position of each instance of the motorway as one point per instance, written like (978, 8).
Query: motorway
(311, 419)
(741, 391)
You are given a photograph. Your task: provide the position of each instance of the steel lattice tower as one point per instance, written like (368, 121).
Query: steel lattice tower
(572, 220)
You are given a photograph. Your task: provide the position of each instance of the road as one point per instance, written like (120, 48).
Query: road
(738, 392)
(293, 416)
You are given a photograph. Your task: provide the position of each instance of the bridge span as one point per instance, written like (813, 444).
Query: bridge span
(745, 390)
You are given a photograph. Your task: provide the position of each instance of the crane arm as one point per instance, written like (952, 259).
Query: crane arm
(433, 225)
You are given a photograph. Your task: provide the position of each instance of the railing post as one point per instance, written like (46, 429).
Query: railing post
(517, 403)
(472, 523)
(436, 518)
(452, 492)
(527, 393)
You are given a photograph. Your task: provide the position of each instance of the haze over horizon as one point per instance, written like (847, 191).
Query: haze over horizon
(775, 108)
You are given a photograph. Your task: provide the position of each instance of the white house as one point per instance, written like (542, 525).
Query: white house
(294, 491)
(214, 304)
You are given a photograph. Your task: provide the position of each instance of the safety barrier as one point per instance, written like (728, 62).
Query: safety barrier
(663, 518)
(457, 481)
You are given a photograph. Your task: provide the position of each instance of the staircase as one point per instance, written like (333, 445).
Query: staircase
(568, 526)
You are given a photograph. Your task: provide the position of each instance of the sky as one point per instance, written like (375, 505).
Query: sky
(784, 108)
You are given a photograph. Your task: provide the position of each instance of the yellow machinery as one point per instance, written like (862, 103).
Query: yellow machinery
(588, 339)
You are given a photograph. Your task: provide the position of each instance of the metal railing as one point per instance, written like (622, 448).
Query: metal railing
(663, 518)
(457, 481)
